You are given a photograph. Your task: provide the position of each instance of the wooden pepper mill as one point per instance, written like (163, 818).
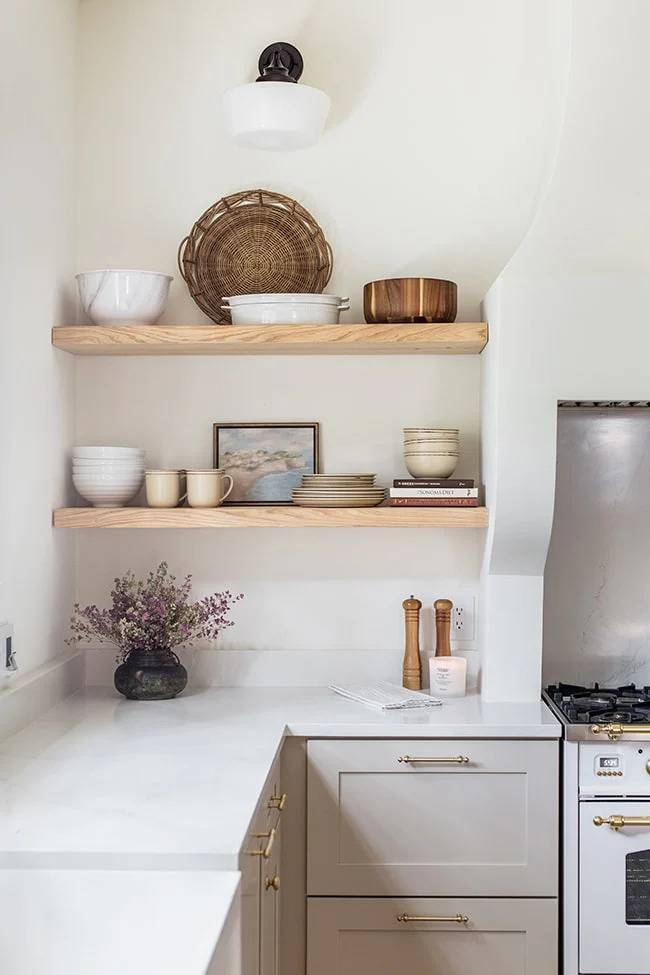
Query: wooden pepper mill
(448, 675)
(412, 668)
(443, 608)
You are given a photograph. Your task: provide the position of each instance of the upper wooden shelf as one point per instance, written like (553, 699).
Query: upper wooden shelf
(457, 338)
(272, 516)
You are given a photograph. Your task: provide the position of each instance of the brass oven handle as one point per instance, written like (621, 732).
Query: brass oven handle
(453, 760)
(614, 731)
(431, 918)
(618, 822)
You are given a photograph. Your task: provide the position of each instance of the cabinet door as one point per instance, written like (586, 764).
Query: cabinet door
(256, 864)
(358, 936)
(380, 825)
(271, 887)
(250, 903)
(270, 916)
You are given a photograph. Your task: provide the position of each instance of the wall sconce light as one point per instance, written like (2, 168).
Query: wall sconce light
(275, 112)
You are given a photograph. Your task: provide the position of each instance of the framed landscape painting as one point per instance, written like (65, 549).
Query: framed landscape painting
(266, 460)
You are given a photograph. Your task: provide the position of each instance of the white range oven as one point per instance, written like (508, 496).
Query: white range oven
(606, 828)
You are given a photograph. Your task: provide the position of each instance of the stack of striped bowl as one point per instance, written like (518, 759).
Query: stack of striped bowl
(431, 451)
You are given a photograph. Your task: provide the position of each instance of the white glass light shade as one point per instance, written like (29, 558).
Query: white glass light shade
(275, 114)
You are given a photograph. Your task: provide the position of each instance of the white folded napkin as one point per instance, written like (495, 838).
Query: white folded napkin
(385, 696)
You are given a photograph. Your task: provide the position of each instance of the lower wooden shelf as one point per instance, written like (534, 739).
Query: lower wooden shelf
(277, 516)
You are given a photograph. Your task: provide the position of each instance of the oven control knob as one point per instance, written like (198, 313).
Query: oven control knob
(647, 766)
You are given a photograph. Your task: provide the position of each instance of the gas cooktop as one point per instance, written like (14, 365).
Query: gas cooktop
(603, 705)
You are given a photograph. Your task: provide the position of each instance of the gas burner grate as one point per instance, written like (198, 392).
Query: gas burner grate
(603, 404)
(625, 705)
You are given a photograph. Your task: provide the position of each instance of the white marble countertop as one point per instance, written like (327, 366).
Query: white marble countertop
(110, 805)
(73, 922)
(101, 782)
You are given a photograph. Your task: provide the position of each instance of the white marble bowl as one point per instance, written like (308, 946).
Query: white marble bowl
(123, 297)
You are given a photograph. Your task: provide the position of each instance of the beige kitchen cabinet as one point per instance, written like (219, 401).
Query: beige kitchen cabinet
(363, 936)
(260, 882)
(271, 884)
(459, 818)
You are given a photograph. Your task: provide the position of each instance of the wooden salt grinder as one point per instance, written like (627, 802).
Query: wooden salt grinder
(412, 668)
(443, 608)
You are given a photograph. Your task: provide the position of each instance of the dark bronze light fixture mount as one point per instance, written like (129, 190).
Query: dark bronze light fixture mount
(280, 61)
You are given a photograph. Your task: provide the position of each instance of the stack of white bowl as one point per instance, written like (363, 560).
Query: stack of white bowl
(431, 451)
(108, 477)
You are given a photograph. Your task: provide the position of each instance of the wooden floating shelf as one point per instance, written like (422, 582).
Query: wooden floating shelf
(277, 516)
(457, 338)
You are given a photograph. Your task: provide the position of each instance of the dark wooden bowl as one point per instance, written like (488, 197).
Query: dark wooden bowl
(395, 300)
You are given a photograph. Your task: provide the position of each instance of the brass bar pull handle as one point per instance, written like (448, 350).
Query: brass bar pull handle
(615, 730)
(618, 822)
(431, 918)
(453, 760)
(268, 849)
(277, 802)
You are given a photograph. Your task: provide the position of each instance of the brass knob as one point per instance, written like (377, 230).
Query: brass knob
(647, 766)
(272, 883)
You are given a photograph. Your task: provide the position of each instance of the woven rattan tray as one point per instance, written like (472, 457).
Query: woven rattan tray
(253, 242)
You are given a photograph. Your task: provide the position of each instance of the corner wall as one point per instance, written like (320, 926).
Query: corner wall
(38, 84)
(432, 162)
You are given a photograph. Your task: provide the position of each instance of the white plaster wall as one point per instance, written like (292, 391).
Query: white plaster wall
(432, 162)
(37, 115)
(569, 315)
(441, 138)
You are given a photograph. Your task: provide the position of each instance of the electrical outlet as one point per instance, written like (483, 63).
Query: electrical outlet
(463, 623)
(8, 664)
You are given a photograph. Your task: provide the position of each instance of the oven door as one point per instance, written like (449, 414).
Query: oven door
(615, 888)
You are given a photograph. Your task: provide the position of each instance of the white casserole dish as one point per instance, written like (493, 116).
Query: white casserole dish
(285, 309)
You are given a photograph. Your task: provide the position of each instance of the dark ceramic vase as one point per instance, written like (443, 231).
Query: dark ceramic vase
(151, 675)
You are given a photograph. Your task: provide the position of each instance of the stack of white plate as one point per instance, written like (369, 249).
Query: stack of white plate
(108, 477)
(338, 491)
(431, 451)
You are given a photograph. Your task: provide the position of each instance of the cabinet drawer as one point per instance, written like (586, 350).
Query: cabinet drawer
(359, 936)
(378, 825)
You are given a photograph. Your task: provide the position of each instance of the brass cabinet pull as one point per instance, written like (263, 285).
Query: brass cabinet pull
(618, 822)
(270, 840)
(277, 802)
(456, 919)
(453, 760)
(614, 731)
(272, 883)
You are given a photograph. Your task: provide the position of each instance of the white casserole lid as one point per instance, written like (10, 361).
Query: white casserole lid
(286, 298)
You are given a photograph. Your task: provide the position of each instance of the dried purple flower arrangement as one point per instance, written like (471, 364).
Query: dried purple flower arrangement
(146, 620)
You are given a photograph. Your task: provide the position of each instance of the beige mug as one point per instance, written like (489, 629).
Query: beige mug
(206, 489)
(164, 488)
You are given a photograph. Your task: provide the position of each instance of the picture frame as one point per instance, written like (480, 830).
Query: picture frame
(266, 460)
